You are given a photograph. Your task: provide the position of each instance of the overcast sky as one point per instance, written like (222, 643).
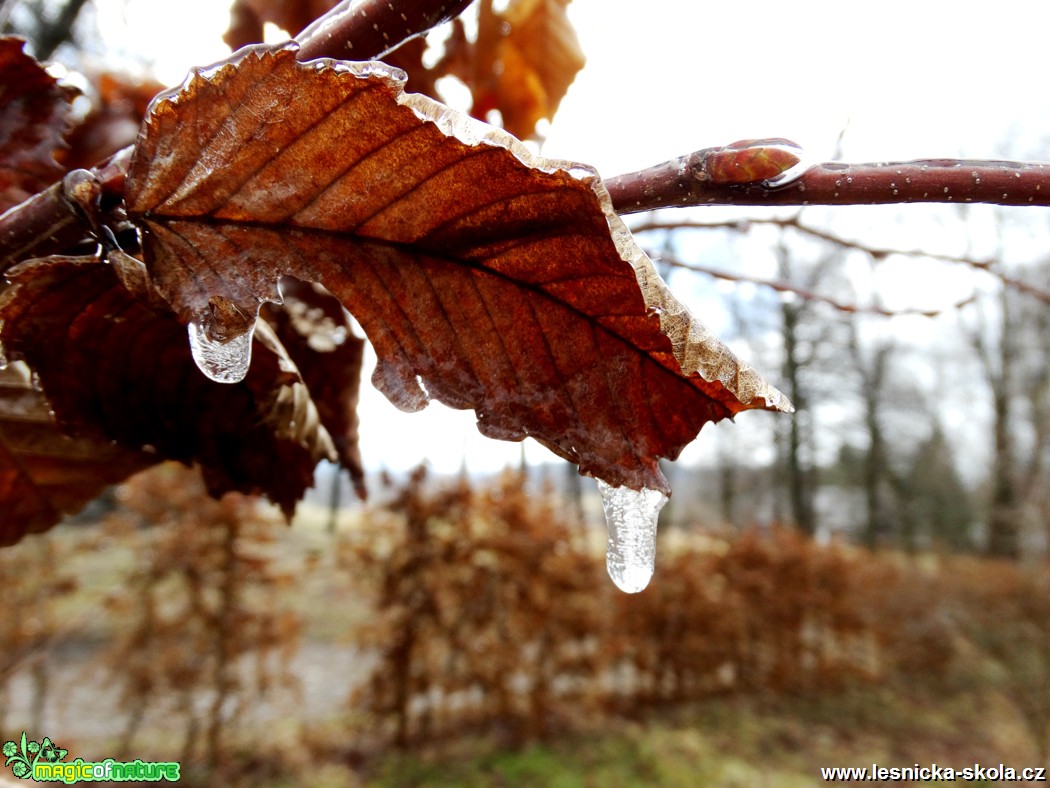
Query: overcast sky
(905, 79)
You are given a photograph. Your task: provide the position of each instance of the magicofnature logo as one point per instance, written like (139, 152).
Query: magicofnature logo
(44, 761)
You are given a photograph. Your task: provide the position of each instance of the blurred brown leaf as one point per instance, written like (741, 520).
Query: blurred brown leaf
(316, 330)
(34, 114)
(521, 62)
(44, 473)
(527, 56)
(482, 281)
(118, 368)
(118, 105)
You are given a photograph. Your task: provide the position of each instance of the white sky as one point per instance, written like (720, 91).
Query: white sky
(910, 79)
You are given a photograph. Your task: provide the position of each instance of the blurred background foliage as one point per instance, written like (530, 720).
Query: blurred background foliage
(464, 632)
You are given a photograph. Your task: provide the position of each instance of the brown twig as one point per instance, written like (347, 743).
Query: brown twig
(805, 294)
(742, 226)
(367, 29)
(64, 214)
(684, 182)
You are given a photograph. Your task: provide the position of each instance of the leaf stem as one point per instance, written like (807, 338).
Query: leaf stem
(684, 182)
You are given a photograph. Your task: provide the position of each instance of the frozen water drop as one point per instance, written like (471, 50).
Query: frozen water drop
(631, 553)
(222, 361)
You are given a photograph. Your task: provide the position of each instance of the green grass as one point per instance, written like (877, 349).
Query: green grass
(659, 754)
(737, 742)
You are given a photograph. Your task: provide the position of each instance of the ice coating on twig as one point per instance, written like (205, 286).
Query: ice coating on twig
(222, 361)
(631, 516)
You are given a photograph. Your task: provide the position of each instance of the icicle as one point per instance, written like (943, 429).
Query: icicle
(631, 553)
(223, 360)
(3, 358)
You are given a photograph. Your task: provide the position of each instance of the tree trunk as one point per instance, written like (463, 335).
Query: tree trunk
(1004, 511)
(800, 496)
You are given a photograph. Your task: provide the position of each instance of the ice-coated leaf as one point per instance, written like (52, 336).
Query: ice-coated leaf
(34, 114)
(484, 276)
(45, 473)
(115, 366)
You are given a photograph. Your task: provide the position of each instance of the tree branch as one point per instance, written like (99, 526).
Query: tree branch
(688, 181)
(64, 214)
(988, 265)
(803, 293)
(743, 225)
(367, 29)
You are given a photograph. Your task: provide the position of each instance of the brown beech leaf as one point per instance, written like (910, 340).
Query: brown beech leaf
(317, 332)
(34, 114)
(44, 473)
(114, 366)
(484, 276)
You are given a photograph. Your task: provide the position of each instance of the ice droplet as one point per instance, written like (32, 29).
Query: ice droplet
(631, 552)
(222, 361)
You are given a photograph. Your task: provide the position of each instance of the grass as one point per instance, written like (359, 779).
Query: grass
(736, 742)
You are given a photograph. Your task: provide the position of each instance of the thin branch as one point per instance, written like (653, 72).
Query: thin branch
(65, 213)
(742, 226)
(46, 223)
(805, 294)
(686, 181)
(367, 29)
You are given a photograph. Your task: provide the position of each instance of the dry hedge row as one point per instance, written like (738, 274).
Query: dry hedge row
(492, 611)
(495, 611)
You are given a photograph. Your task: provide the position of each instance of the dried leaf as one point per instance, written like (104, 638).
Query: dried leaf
(484, 276)
(114, 366)
(522, 62)
(118, 104)
(34, 114)
(317, 332)
(527, 56)
(44, 473)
